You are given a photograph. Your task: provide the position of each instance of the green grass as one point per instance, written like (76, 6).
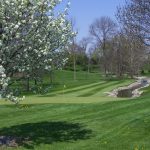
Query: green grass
(81, 117)
(88, 93)
(64, 77)
(60, 79)
(120, 125)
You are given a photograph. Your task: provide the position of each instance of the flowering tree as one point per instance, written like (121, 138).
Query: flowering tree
(31, 37)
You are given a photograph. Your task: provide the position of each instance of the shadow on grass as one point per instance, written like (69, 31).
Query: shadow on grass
(33, 134)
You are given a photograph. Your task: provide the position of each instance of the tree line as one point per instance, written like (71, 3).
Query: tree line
(118, 48)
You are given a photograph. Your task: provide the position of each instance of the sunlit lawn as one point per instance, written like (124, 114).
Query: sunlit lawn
(81, 117)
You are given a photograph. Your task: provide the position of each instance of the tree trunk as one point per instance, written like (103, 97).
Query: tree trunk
(88, 66)
(74, 67)
(51, 77)
(28, 84)
(35, 81)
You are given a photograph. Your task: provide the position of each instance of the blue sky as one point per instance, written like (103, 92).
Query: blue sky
(86, 11)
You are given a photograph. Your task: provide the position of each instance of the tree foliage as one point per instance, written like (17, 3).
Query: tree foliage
(32, 36)
(135, 15)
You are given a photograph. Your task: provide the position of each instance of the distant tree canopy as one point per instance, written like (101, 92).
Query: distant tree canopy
(135, 17)
(77, 55)
(118, 49)
(102, 30)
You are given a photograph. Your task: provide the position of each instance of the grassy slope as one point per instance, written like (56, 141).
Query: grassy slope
(64, 77)
(113, 125)
(86, 89)
(121, 125)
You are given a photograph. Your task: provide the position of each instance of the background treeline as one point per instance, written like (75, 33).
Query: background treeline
(115, 48)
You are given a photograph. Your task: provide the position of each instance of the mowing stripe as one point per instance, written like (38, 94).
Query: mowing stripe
(96, 90)
(74, 89)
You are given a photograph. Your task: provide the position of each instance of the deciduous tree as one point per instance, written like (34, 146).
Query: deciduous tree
(31, 37)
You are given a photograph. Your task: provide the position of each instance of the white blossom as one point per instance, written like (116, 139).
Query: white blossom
(32, 38)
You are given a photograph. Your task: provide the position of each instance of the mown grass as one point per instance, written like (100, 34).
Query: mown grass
(80, 118)
(89, 93)
(115, 125)
(64, 77)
